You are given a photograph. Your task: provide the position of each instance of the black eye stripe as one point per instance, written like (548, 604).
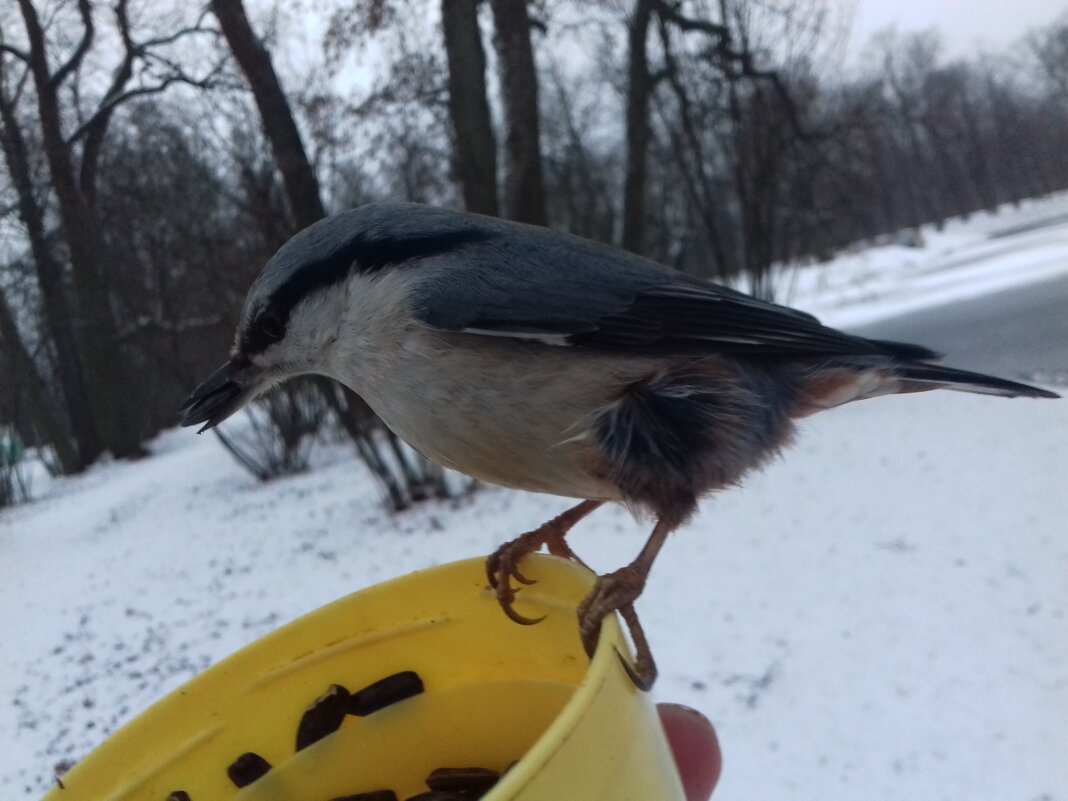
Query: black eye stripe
(363, 253)
(266, 328)
(270, 325)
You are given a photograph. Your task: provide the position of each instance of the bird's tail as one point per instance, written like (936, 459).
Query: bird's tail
(919, 377)
(842, 381)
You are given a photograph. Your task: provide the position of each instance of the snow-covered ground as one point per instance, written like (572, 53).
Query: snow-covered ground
(878, 615)
(966, 259)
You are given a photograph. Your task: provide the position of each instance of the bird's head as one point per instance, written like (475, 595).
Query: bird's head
(310, 299)
(289, 321)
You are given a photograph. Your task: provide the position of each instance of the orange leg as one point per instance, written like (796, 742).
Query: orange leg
(503, 565)
(617, 592)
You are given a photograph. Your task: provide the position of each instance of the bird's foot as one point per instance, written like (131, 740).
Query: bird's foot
(617, 592)
(503, 565)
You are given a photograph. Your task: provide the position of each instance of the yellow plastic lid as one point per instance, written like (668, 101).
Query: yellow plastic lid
(523, 701)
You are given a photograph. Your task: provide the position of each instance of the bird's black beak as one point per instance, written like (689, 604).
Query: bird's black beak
(221, 394)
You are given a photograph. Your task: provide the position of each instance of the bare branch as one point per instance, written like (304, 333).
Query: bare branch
(116, 94)
(20, 82)
(110, 104)
(99, 120)
(671, 13)
(60, 75)
(735, 63)
(695, 175)
(95, 127)
(21, 55)
(181, 33)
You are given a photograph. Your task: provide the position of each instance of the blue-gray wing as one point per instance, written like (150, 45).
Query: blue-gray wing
(530, 283)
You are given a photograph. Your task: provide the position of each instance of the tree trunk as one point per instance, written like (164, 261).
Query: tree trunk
(524, 191)
(302, 187)
(43, 413)
(55, 302)
(82, 230)
(639, 87)
(476, 145)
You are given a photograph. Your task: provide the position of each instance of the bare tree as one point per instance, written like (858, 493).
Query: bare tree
(80, 446)
(143, 216)
(639, 89)
(43, 413)
(475, 143)
(1049, 48)
(73, 178)
(581, 184)
(302, 187)
(303, 194)
(81, 228)
(524, 190)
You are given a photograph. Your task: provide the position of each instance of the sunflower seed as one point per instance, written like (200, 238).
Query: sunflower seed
(470, 782)
(323, 716)
(384, 692)
(247, 768)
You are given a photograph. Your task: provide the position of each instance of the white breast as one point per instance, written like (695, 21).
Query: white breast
(509, 412)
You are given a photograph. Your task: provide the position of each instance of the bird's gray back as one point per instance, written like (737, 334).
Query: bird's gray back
(484, 275)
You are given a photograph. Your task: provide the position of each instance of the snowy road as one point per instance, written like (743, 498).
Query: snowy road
(1020, 332)
(973, 259)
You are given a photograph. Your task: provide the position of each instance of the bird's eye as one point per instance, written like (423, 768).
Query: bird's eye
(269, 326)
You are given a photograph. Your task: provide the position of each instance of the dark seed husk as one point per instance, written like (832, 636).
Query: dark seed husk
(384, 692)
(437, 795)
(178, 795)
(467, 781)
(323, 716)
(247, 768)
(374, 795)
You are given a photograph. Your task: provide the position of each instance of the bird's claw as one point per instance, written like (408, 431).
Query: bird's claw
(501, 567)
(521, 578)
(509, 610)
(643, 672)
(616, 592)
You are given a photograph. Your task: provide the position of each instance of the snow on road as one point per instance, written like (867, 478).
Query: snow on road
(967, 259)
(879, 615)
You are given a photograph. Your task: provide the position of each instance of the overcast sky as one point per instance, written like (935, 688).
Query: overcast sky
(965, 25)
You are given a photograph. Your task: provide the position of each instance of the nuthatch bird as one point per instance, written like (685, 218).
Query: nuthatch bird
(538, 360)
